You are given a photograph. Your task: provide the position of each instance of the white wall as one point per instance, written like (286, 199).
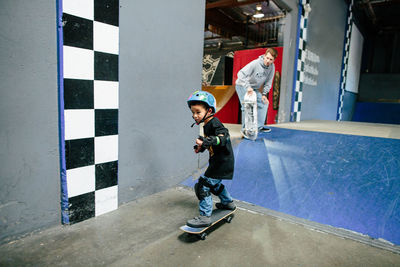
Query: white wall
(355, 56)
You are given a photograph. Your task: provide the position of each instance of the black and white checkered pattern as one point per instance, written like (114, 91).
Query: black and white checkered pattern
(90, 69)
(346, 51)
(298, 97)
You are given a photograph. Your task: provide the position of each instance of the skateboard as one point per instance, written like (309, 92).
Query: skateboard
(250, 116)
(216, 216)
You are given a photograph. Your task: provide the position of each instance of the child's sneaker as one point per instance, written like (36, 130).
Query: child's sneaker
(229, 206)
(200, 221)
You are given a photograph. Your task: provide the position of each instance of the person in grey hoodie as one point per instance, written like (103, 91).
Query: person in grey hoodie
(257, 73)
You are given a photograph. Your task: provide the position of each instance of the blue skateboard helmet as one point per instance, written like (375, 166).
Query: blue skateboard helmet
(205, 97)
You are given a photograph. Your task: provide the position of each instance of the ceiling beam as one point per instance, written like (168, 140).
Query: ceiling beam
(265, 19)
(383, 2)
(219, 20)
(231, 3)
(369, 10)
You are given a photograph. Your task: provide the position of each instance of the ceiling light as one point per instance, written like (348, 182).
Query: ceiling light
(259, 14)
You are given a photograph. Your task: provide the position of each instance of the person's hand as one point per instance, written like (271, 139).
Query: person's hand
(264, 99)
(199, 142)
(197, 147)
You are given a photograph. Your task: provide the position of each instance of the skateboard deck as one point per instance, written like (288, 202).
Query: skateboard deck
(216, 216)
(250, 116)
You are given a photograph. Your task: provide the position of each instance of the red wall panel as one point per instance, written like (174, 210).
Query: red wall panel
(243, 57)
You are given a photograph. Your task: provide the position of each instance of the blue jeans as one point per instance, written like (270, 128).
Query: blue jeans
(261, 107)
(206, 204)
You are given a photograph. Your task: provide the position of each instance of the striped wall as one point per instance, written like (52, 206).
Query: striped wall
(89, 115)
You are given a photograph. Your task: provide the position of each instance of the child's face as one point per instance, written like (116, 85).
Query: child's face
(198, 111)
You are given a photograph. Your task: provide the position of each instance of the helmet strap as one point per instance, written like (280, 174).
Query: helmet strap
(203, 119)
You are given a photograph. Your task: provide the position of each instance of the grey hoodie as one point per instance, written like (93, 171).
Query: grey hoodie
(256, 74)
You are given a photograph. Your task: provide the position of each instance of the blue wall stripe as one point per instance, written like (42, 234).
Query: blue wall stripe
(60, 76)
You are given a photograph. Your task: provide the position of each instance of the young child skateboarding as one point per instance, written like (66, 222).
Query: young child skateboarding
(221, 161)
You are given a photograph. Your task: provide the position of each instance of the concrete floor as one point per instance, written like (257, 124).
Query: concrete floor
(146, 233)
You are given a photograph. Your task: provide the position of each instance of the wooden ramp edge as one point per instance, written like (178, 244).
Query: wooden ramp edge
(222, 93)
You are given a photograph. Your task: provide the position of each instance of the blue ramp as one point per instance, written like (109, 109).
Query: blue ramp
(346, 181)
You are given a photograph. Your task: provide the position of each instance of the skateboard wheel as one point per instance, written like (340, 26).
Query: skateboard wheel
(229, 219)
(203, 236)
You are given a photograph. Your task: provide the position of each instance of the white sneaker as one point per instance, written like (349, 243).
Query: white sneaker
(244, 134)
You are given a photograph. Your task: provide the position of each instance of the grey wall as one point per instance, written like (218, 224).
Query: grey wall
(326, 28)
(160, 65)
(29, 153)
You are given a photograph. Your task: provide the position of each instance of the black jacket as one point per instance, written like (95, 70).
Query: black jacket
(218, 143)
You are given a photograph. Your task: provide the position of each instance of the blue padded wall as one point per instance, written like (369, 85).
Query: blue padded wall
(345, 181)
(377, 112)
